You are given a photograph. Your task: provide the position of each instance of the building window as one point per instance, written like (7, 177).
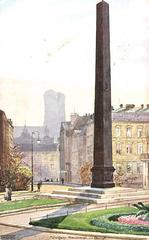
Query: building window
(139, 132)
(117, 131)
(129, 148)
(128, 131)
(140, 148)
(118, 148)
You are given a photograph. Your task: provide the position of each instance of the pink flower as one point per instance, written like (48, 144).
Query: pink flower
(131, 219)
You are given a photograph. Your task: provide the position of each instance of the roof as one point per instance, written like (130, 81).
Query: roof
(131, 116)
(38, 147)
(131, 113)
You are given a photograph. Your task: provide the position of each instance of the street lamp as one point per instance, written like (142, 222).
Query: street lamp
(32, 158)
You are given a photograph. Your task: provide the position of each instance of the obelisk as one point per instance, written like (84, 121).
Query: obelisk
(102, 171)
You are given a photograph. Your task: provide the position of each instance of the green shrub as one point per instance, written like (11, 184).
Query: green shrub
(110, 221)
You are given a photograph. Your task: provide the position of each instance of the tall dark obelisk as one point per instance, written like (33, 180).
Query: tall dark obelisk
(102, 171)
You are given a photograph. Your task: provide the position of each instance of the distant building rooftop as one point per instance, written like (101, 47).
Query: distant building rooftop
(38, 147)
(131, 113)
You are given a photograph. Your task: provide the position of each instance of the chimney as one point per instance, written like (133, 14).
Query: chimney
(129, 106)
(73, 118)
(142, 105)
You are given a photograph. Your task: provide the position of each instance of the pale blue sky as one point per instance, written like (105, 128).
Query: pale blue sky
(50, 44)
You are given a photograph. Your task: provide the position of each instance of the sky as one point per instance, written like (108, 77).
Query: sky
(50, 44)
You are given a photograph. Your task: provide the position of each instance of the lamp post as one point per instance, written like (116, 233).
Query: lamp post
(32, 158)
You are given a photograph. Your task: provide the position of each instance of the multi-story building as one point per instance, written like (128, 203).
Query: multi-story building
(76, 146)
(130, 139)
(45, 154)
(6, 143)
(45, 161)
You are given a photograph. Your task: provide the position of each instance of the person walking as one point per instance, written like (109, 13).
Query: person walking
(8, 192)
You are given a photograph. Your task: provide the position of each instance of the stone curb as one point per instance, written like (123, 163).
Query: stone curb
(102, 236)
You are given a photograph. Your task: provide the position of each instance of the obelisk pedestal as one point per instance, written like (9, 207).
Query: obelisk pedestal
(102, 171)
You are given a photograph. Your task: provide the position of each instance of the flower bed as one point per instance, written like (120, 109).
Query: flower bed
(132, 219)
(111, 222)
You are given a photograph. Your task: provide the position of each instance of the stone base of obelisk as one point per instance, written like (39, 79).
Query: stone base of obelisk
(104, 197)
(102, 177)
(104, 185)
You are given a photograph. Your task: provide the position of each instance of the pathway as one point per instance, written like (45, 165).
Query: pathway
(23, 218)
(14, 233)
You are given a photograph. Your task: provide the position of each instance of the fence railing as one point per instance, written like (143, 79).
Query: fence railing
(86, 208)
(61, 213)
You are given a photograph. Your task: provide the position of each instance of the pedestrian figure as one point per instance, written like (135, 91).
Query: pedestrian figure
(62, 180)
(8, 192)
(39, 185)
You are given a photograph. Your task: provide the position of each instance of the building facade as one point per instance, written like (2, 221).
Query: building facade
(76, 146)
(54, 113)
(45, 154)
(130, 140)
(6, 143)
(45, 164)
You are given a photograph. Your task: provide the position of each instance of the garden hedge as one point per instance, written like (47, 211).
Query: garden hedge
(109, 221)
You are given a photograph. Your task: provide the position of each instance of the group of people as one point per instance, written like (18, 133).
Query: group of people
(51, 180)
(39, 184)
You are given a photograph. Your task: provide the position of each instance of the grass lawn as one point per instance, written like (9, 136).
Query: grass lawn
(5, 206)
(78, 221)
(82, 222)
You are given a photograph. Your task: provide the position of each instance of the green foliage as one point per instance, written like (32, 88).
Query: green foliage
(145, 207)
(146, 217)
(118, 177)
(49, 223)
(16, 173)
(121, 177)
(97, 221)
(79, 221)
(137, 206)
(143, 210)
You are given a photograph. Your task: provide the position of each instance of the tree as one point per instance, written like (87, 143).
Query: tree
(85, 173)
(119, 177)
(122, 178)
(16, 174)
